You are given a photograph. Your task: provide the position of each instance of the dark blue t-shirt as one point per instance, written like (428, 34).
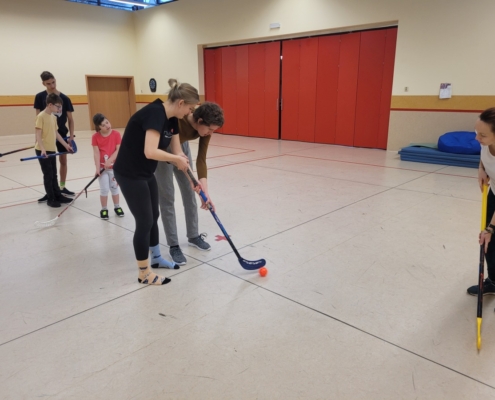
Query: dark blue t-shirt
(131, 161)
(40, 104)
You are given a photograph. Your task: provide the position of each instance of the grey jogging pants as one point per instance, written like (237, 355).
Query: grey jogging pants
(164, 177)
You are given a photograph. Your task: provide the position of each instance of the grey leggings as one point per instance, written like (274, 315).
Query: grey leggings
(164, 177)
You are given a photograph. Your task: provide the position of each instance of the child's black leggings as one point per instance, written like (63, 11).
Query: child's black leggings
(142, 199)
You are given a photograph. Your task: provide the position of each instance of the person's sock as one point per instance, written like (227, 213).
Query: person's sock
(104, 208)
(62, 185)
(116, 205)
(148, 277)
(157, 261)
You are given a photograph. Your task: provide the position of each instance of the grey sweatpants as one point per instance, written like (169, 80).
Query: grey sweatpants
(164, 177)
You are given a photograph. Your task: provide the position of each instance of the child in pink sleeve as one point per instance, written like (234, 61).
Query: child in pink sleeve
(106, 143)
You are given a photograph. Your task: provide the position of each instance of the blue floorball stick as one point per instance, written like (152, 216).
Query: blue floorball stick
(74, 151)
(246, 264)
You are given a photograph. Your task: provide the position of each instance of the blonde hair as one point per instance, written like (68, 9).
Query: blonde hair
(182, 91)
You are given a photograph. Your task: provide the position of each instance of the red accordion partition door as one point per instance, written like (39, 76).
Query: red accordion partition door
(245, 82)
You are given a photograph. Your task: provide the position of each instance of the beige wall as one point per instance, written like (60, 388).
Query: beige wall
(19, 120)
(425, 127)
(68, 39)
(438, 40)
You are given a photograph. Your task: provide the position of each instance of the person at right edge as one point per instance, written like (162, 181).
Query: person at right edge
(147, 135)
(205, 119)
(485, 135)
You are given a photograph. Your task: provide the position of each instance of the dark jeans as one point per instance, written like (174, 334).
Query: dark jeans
(142, 199)
(50, 179)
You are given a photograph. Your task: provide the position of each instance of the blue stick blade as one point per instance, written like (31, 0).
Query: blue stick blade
(252, 265)
(74, 146)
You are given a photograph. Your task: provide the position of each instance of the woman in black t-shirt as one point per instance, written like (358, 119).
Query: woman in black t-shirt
(146, 137)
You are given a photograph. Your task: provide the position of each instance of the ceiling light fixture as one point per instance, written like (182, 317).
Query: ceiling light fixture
(131, 2)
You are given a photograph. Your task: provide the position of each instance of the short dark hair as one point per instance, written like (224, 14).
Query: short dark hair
(98, 120)
(45, 75)
(53, 98)
(209, 113)
(488, 117)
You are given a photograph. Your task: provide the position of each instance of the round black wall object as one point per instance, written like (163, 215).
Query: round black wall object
(152, 85)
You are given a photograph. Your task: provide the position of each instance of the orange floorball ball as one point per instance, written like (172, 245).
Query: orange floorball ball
(263, 271)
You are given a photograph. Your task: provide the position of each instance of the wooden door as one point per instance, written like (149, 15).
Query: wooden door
(113, 96)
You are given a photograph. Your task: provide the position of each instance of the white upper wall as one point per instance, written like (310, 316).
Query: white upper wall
(438, 40)
(68, 39)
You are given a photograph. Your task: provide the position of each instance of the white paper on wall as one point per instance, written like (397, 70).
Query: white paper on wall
(445, 90)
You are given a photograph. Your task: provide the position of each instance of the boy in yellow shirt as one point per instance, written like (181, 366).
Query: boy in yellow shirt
(46, 137)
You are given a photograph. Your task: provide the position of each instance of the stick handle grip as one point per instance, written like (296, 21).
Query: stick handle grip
(484, 201)
(195, 183)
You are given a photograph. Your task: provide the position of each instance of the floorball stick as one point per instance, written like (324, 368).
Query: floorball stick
(246, 264)
(47, 224)
(16, 151)
(479, 313)
(74, 151)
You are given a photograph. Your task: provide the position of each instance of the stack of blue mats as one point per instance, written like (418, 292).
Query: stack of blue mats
(434, 156)
(458, 148)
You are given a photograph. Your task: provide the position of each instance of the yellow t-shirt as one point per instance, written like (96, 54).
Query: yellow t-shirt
(48, 125)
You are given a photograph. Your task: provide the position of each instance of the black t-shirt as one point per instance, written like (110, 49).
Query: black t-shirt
(131, 161)
(40, 104)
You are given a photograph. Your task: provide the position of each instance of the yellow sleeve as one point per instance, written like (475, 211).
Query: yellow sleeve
(39, 122)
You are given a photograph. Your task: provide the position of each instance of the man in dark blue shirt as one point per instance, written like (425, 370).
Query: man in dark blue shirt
(63, 116)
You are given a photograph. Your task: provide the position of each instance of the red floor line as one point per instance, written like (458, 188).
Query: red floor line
(39, 184)
(260, 159)
(243, 162)
(233, 154)
(34, 201)
(379, 166)
(228, 147)
(19, 204)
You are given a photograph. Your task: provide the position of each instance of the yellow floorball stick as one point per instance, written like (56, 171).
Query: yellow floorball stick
(482, 266)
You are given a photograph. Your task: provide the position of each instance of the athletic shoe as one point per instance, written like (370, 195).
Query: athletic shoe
(199, 242)
(66, 192)
(119, 212)
(488, 288)
(64, 200)
(177, 255)
(104, 214)
(53, 203)
(43, 199)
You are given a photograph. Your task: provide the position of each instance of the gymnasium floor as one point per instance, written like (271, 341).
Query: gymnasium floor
(369, 259)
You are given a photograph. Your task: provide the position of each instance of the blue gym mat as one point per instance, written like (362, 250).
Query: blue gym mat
(435, 156)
